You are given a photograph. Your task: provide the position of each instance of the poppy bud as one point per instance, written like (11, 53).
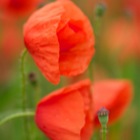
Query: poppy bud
(32, 78)
(100, 9)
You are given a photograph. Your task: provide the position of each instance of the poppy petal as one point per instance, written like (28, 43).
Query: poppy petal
(115, 95)
(39, 36)
(63, 114)
(76, 41)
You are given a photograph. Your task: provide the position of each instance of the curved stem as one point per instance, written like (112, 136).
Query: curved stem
(16, 115)
(23, 91)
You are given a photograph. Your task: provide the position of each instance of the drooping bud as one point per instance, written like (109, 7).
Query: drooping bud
(32, 78)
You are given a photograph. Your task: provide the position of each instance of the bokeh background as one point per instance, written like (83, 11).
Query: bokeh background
(116, 25)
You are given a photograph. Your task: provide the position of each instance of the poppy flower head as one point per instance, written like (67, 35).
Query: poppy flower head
(114, 95)
(66, 114)
(133, 6)
(60, 39)
(19, 7)
(11, 42)
(122, 38)
(10, 45)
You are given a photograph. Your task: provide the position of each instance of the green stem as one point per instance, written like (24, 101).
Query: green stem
(23, 84)
(37, 93)
(16, 115)
(104, 131)
(23, 91)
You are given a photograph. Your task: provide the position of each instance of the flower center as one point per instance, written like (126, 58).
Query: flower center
(70, 35)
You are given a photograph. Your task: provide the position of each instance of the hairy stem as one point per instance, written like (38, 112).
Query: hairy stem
(23, 80)
(104, 131)
(23, 92)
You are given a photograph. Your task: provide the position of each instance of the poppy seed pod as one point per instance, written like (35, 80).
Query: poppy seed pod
(60, 39)
(66, 114)
(103, 114)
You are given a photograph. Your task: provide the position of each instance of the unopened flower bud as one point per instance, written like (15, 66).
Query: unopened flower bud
(32, 78)
(128, 14)
(100, 9)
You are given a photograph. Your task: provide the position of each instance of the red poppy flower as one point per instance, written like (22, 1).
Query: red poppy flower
(115, 95)
(10, 47)
(66, 114)
(123, 38)
(18, 7)
(133, 6)
(60, 39)
(11, 42)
